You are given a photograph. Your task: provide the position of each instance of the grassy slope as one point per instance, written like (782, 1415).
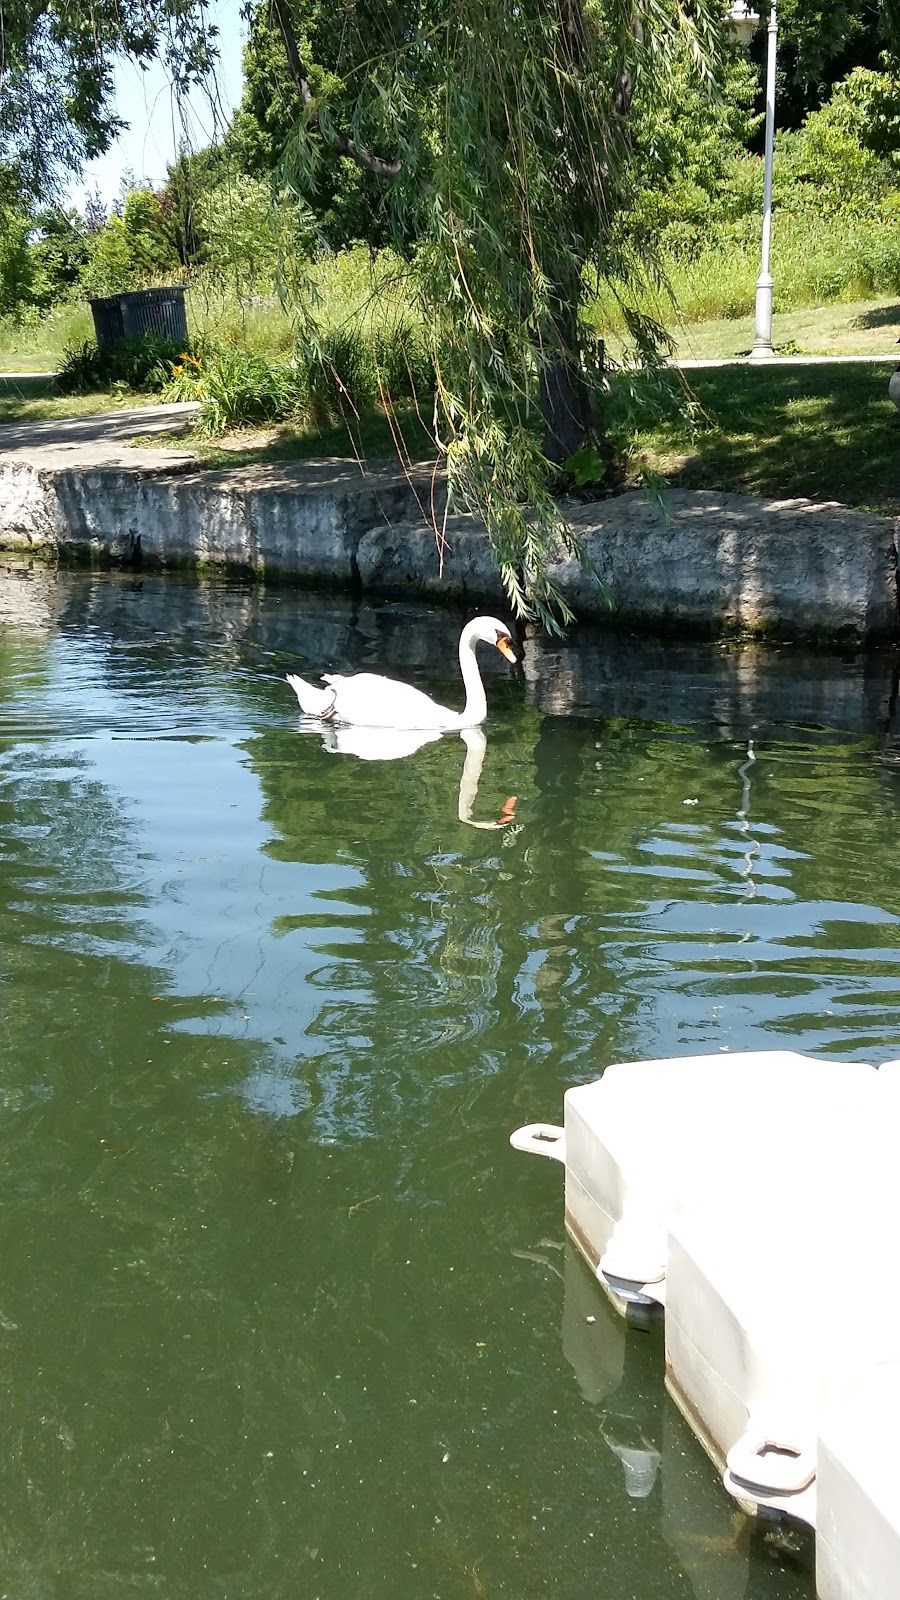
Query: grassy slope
(864, 327)
(827, 432)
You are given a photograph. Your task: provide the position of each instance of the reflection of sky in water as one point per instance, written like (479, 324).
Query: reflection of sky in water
(206, 900)
(754, 959)
(217, 900)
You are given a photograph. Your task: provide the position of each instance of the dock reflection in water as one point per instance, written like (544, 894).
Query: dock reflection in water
(726, 1554)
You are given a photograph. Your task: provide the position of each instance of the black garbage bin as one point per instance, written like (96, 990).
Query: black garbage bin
(139, 312)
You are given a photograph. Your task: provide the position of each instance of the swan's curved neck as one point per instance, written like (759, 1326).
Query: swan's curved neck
(475, 710)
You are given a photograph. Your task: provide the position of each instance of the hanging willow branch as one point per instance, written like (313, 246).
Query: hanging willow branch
(516, 168)
(339, 142)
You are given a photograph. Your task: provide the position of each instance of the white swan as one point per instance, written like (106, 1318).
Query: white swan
(370, 700)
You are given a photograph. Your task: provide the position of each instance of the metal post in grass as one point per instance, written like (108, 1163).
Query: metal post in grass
(762, 343)
(744, 21)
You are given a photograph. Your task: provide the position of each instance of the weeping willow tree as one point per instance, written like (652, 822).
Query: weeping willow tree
(499, 134)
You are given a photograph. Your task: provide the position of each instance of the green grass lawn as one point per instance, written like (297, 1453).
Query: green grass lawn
(861, 328)
(827, 432)
(34, 399)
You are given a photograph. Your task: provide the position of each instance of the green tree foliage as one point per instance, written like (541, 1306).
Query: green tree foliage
(820, 43)
(242, 232)
(60, 250)
(686, 146)
(350, 205)
(866, 109)
(502, 140)
(526, 157)
(56, 75)
(193, 176)
(16, 262)
(519, 159)
(136, 248)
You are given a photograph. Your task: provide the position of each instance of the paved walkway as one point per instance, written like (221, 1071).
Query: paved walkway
(781, 361)
(100, 439)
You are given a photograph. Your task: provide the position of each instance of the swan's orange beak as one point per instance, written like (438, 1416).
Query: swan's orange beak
(506, 649)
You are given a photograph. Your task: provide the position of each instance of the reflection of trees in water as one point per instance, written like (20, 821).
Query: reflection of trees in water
(116, 1146)
(402, 1004)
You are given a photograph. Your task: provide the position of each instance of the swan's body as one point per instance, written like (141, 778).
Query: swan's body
(370, 700)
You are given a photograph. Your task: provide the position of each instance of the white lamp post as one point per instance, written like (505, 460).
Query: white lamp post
(744, 22)
(762, 343)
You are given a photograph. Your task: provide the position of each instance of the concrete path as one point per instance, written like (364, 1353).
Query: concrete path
(782, 361)
(101, 439)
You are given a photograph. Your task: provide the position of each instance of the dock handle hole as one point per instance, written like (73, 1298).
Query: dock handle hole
(547, 1138)
(770, 1448)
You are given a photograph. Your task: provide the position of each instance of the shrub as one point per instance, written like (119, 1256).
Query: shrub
(344, 374)
(235, 388)
(140, 364)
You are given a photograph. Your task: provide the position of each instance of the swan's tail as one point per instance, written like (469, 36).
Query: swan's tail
(313, 702)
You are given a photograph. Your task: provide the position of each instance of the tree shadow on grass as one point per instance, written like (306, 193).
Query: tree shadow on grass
(879, 317)
(822, 432)
(371, 437)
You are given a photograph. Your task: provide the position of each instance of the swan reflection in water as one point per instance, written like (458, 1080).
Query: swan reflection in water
(395, 744)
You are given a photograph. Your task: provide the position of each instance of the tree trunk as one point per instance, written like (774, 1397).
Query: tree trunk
(564, 393)
(565, 408)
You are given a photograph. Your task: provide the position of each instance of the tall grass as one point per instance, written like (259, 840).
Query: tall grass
(340, 377)
(342, 286)
(814, 262)
(36, 343)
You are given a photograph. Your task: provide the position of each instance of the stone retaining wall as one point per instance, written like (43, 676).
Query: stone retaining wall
(708, 562)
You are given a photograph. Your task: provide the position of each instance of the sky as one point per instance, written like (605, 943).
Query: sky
(156, 123)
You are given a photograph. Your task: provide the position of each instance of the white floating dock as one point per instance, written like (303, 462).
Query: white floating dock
(756, 1198)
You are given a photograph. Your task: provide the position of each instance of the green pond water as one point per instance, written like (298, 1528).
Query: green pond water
(281, 1312)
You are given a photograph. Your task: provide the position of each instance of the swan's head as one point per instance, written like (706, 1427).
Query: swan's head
(487, 630)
